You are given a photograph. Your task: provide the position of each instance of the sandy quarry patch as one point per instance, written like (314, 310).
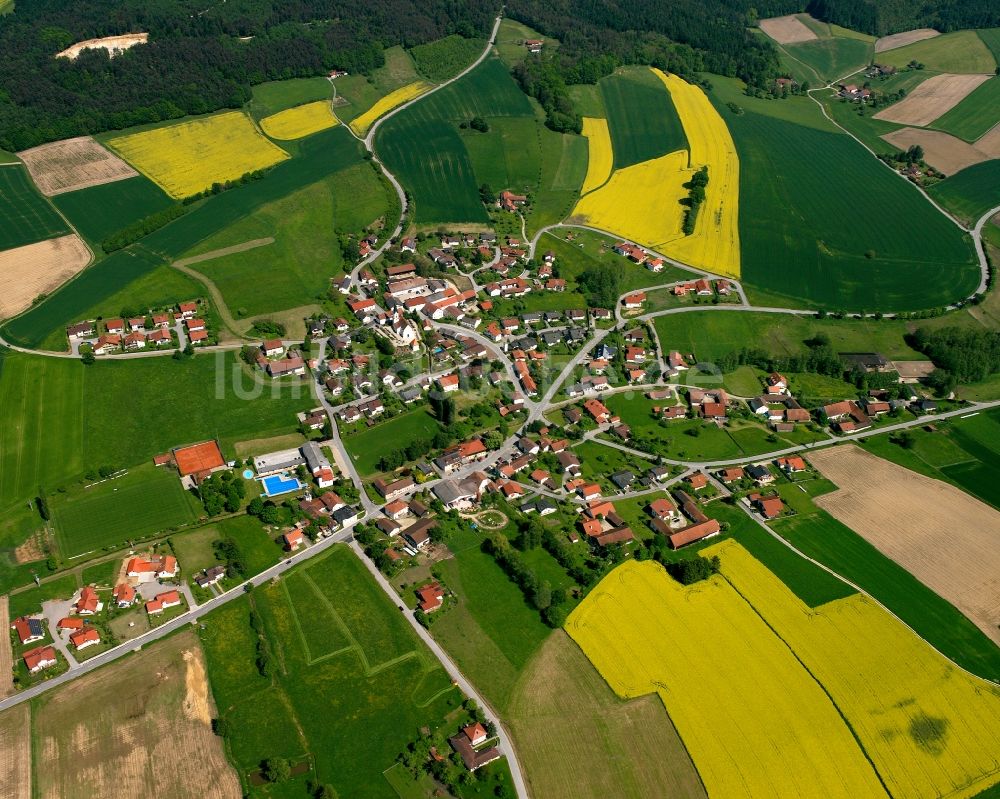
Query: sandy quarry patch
(72, 164)
(932, 98)
(6, 657)
(32, 548)
(787, 30)
(941, 150)
(196, 702)
(913, 370)
(989, 142)
(15, 752)
(26, 272)
(945, 538)
(904, 38)
(113, 44)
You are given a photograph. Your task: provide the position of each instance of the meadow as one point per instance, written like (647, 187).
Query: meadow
(50, 438)
(368, 446)
(575, 737)
(927, 727)
(194, 549)
(423, 147)
(144, 502)
(295, 269)
(975, 115)
(353, 94)
(441, 59)
(972, 192)
(830, 58)
(960, 51)
(812, 240)
(99, 211)
(643, 121)
(783, 736)
(27, 216)
(274, 96)
(318, 157)
(188, 157)
(299, 122)
(350, 714)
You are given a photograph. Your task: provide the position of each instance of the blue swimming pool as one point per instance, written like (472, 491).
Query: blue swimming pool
(248, 474)
(278, 484)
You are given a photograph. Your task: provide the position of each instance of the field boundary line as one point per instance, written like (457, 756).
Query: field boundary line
(350, 636)
(336, 618)
(211, 255)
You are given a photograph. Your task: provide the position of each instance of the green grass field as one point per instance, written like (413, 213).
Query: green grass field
(972, 192)
(318, 157)
(510, 41)
(492, 632)
(30, 600)
(296, 269)
(99, 211)
(442, 59)
(831, 58)
(975, 115)
(361, 92)
(25, 215)
(809, 238)
(424, 147)
(352, 722)
(144, 502)
(274, 96)
(822, 537)
(961, 51)
(991, 38)
(641, 116)
(369, 445)
(49, 436)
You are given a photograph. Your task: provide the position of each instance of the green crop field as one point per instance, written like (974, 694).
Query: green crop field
(350, 717)
(809, 237)
(442, 59)
(972, 192)
(492, 632)
(425, 149)
(975, 115)
(961, 51)
(820, 536)
(50, 436)
(319, 156)
(274, 96)
(296, 268)
(361, 92)
(99, 211)
(991, 38)
(146, 501)
(831, 58)
(369, 445)
(641, 117)
(25, 215)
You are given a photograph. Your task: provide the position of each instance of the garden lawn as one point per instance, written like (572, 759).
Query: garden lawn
(641, 117)
(368, 446)
(798, 238)
(99, 211)
(146, 501)
(25, 215)
(31, 599)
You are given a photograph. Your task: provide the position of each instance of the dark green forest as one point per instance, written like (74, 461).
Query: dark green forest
(196, 61)
(882, 17)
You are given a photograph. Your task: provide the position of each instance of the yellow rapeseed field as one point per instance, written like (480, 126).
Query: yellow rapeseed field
(298, 122)
(641, 201)
(394, 98)
(600, 156)
(754, 721)
(188, 157)
(931, 729)
(715, 243)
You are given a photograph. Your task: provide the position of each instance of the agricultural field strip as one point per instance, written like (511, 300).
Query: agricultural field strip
(932, 99)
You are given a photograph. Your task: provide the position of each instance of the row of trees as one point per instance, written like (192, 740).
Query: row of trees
(960, 355)
(143, 227)
(551, 603)
(696, 196)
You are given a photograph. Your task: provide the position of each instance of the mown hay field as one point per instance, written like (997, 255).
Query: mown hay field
(576, 738)
(753, 720)
(15, 752)
(600, 156)
(188, 157)
(942, 151)
(6, 654)
(930, 729)
(384, 105)
(932, 98)
(974, 116)
(787, 30)
(25, 215)
(72, 164)
(641, 201)
(299, 122)
(959, 51)
(142, 725)
(35, 269)
(902, 514)
(895, 40)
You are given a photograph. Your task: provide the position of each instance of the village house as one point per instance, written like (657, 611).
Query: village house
(393, 490)
(84, 638)
(294, 540)
(430, 597)
(39, 658)
(124, 595)
(28, 629)
(158, 567)
(169, 599)
(88, 603)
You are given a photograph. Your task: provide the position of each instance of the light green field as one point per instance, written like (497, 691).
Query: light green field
(961, 51)
(362, 92)
(274, 96)
(510, 41)
(831, 58)
(368, 446)
(442, 59)
(146, 501)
